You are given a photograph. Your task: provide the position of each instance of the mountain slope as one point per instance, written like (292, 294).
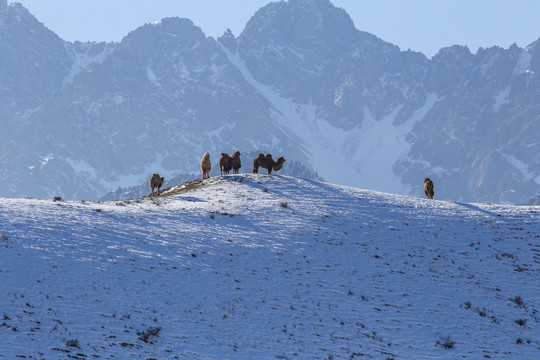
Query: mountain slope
(300, 81)
(266, 267)
(388, 117)
(33, 63)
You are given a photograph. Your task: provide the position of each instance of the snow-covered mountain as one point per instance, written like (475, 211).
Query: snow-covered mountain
(269, 267)
(300, 81)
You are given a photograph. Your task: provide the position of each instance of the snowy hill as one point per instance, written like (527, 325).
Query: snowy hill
(269, 267)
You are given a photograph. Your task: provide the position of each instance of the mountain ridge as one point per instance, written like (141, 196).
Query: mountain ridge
(347, 105)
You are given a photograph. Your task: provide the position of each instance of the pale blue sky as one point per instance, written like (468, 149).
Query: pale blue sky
(420, 25)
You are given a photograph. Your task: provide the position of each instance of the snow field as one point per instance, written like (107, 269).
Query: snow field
(268, 267)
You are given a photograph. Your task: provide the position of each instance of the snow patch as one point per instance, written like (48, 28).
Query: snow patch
(217, 132)
(436, 170)
(523, 64)
(45, 159)
(522, 67)
(82, 168)
(501, 99)
(522, 168)
(83, 60)
(152, 76)
(351, 157)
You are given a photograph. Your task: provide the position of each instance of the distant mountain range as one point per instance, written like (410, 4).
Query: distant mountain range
(80, 120)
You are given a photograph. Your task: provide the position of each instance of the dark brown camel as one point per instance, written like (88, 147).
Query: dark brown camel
(236, 163)
(225, 164)
(156, 181)
(428, 188)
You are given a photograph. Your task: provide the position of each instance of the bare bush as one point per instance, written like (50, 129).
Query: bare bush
(151, 332)
(446, 343)
(72, 343)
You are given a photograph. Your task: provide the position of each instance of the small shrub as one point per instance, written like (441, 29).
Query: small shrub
(446, 343)
(72, 343)
(518, 301)
(521, 322)
(284, 204)
(150, 332)
(57, 198)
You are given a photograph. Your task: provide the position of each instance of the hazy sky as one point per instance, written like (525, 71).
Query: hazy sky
(420, 25)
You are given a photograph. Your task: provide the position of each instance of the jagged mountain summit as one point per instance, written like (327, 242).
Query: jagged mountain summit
(299, 81)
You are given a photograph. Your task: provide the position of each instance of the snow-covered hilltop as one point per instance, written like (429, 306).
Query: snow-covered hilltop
(269, 267)
(81, 120)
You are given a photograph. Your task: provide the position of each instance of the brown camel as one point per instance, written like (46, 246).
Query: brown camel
(279, 163)
(266, 162)
(225, 164)
(257, 163)
(428, 188)
(236, 163)
(156, 181)
(206, 166)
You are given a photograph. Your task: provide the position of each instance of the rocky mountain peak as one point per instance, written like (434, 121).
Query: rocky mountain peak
(33, 59)
(17, 13)
(295, 40)
(228, 40)
(300, 23)
(534, 50)
(453, 53)
(176, 26)
(166, 31)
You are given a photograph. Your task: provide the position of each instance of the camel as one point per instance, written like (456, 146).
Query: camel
(225, 164)
(156, 181)
(257, 163)
(279, 163)
(428, 188)
(206, 166)
(266, 162)
(236, 163)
